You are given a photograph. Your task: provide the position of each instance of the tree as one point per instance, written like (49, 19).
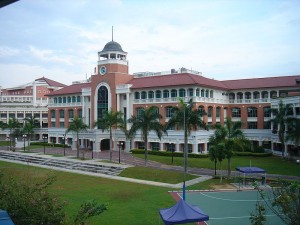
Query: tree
(187, 119)
(282, 117)
(109, 121)
(12, 125)
(232, 137)
(76, 126)
(293, 133)
(147, 121)
(28, 128)
(217, 154)
(283, 201)
(29, 202)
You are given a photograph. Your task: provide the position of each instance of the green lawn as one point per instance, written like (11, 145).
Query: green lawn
(158, 175)
(272, 164)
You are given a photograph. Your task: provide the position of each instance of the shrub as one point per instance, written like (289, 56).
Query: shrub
(264, 154)
(169, 154)
(50, 144)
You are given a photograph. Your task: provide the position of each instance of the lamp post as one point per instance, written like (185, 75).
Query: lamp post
(7, 139)
(24, 138)
(93, 142)
(44, 139)
(185, 149)
(64, 138)
(172, 150)
(120, 144)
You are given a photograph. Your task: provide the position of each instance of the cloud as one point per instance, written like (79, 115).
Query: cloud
(7, 51)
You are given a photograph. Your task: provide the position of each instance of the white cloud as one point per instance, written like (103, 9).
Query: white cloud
(7, 51)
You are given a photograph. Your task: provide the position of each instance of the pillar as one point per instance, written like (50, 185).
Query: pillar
(161, 146)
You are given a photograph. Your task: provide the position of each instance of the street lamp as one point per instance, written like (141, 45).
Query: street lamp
(172, 150)
(7, 139)
(44, 138)
(24, 138)
(120, 144)
(64, 138)
(185, 149)
(93, 143)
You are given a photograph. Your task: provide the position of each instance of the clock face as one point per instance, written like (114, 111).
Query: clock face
(102, 70)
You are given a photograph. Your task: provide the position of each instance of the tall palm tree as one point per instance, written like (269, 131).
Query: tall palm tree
(12, 125)
(76, 126)
(109, 121)
(282, 117)
(28, 128)
(147, 121)
(187, 119)
(232, 137)
(293, 133)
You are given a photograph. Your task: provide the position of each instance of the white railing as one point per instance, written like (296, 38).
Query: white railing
(64, 104)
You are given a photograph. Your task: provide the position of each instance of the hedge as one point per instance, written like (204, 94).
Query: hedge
(165, 153)
(256, 154)
(50, 144)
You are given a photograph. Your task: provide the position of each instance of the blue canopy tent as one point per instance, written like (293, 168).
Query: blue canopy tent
(5, 219)
(251, 170)
(182, 212)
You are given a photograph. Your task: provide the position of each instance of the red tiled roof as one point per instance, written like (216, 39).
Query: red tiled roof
(51, 82)
(267, 82)
(175, 80)
(72, 89)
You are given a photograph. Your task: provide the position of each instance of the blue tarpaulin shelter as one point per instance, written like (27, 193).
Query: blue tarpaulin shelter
(252, 170)
(5, 219)
(182, 212)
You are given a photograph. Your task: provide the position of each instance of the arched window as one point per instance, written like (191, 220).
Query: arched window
(252, 112)
(202, 92)
(143, 95)
(59, 100)
(218, 111)
(156, 110)
(181, 93)
(102, 101)
(69, 99)
(191, 92)
(73, 99)
(166, 93)
(267, 112)
(201, 110)
(169, 112)
(211, 93)
(209, 111)
(198, 92)
(55, 100)
(151, 94)
(158, 94)
(206, 93)
(136, 95)
(236, 112)
(139, 112)
(173, 93)
(64, 100)
(78, 98)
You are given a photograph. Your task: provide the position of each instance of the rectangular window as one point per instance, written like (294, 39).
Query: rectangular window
(218, 110)
(267, 125)
(236, 112)
(267, 112)
(169, 112)
(71, 114)
(52, 113)
(209, 111)
(52, 124)
(252, 125)
(170, 147)
(155, 146)
(61, 114)
(61, 124)
(297, 109)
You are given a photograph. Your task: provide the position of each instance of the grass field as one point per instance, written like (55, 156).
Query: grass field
(272, 164)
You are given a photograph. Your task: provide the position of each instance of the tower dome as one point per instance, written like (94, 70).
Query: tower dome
(112, 46)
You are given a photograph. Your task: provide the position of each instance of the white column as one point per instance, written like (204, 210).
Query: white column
(195, 148)
(177, 147)
(118, 102)
(83, 110)
(161, 146)
(127, 108)
(205, 148)
(41, 118)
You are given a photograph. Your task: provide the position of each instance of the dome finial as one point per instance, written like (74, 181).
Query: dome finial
(112, 33)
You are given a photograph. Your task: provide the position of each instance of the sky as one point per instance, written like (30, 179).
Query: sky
(223, 39)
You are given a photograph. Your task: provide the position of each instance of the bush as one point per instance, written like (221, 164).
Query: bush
(50, 144)
(265, 154)
(169, 154)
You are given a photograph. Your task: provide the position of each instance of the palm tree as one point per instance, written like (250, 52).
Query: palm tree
(147, 121)
(76, 126)
(293, 133)
(187, 119)
(12, 124)
(110, 120)
(282, 117)
(28, 128)
(232, 137)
